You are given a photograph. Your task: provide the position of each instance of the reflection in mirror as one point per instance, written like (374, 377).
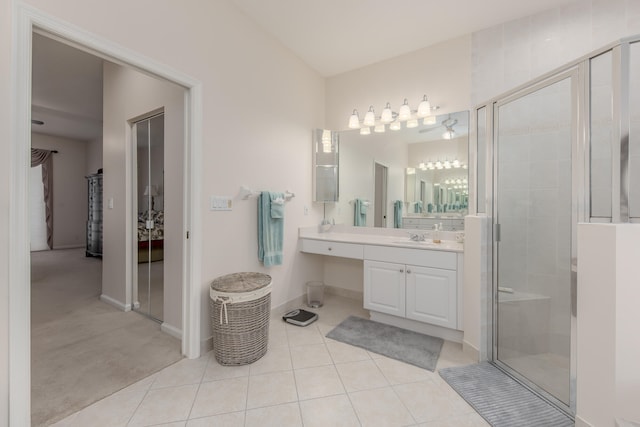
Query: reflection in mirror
(426, 165)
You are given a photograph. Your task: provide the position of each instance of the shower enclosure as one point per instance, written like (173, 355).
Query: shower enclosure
(560, 150)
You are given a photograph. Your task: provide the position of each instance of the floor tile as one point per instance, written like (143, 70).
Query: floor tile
(165, 405)
(275, 360)
(380, 407)
(318, 382)
(216, 371)
(307, 356)
(397, 372)
(287, 415)
(335, 411)
(361, 375)
(341, 352)
(469, 420)
(186, 371)
(306, 335)
(235, 419)
(426, 401)
(271, 389)
(220, 397)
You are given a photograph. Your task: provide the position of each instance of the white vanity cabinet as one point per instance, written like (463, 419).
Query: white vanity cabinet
(426, 290)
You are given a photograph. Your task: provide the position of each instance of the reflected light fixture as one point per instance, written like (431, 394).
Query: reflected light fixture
(365, 131)
(429, 120)
(395, 125)
(412, 123)
(326, 141)
(379, 128)
(411, 171)
(449, 123)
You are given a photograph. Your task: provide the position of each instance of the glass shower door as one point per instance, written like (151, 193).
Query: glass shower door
(535, 227)
(149, 292)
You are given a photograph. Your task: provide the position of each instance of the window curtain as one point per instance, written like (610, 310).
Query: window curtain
(43, 157)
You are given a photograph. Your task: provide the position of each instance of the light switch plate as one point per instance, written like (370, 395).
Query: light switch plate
(220, 203)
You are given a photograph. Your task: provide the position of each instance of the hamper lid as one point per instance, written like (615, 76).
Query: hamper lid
(241, 282)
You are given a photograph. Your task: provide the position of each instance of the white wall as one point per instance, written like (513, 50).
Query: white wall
(128, 95)
(442, 72)
(94, 156)
(69, 189)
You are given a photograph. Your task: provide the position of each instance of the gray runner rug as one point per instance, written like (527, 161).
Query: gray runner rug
(400, 344)
(500, 399)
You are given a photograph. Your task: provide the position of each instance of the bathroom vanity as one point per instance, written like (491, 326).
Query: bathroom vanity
(416, 285)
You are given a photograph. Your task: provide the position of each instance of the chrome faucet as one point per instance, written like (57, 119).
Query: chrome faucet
(417, 237)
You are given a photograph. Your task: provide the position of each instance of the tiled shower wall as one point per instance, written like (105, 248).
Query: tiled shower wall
(513, 53)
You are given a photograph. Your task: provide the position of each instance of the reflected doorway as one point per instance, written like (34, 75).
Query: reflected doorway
(148, 289)
(380, 201)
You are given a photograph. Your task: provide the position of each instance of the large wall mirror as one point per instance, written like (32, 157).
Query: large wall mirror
(426, 172)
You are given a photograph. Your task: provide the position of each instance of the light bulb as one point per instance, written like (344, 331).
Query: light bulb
(430, 165)
(365, 130)
(429, 120)
(438, 165)
(387, 115)
(379, 128)
(395, 125)
(447, 164)
(412, 123)
(456, 163)
(354, 120)
(405, 111)
(424, 108)
(370, 117)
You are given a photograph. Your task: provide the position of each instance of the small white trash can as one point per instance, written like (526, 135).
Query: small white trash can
(315, 294)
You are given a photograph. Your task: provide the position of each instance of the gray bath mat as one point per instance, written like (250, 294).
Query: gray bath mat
(500, 399)
(407, 346)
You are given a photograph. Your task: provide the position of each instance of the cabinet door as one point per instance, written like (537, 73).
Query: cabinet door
(384, 287)
(431, 296)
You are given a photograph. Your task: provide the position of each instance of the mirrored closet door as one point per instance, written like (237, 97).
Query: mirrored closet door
(148, 290)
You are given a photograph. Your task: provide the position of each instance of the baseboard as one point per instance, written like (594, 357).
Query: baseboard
(297, 302)
(68, 247)
(470, 350)
(171, 330)
(582, 423)
(206, 345)
(345, 293)
(114, 302)
(422, 328)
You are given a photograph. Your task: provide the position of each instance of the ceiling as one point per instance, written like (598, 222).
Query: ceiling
(335, 36)
(331, 36)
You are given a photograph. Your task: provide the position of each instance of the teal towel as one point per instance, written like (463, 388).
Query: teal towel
(429, 208)
(277, 205)
(397, 214)
(360, 213)
(270, 231)
(417, 208)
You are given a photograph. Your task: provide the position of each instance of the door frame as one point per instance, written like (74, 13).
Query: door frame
(384, 196)
(25, 20)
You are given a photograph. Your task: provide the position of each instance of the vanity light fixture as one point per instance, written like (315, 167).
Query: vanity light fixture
(447, 164)
(404, 114)
(365, 130)
(449, 123)
(439, 165)
(456, 163)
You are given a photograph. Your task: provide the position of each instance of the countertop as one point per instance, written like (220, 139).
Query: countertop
(391, 237)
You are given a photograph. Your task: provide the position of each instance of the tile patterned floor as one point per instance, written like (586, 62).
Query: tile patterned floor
(305, 379)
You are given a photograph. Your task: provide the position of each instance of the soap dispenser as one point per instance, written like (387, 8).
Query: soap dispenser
(436, 234)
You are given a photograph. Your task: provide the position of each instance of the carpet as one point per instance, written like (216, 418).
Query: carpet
(501, 400)
(400, 344)
(82, 349)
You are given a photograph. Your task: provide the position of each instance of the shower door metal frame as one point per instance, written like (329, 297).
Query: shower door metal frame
(578, 174)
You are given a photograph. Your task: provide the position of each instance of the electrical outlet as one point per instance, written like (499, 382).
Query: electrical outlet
(306, 210)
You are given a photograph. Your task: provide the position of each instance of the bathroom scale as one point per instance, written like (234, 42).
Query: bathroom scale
(300, 317)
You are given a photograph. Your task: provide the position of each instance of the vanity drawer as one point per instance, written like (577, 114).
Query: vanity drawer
(421, 257)
(344, 250)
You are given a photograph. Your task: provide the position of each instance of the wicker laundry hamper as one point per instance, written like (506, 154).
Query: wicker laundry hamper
(240, 311)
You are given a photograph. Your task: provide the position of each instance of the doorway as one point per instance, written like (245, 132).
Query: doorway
(535, 221)
(25, 20)
(380, 199)
(148, 285)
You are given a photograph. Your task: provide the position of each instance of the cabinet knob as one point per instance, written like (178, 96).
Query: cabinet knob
(408, 271)
(401, 270)
(330, 248)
